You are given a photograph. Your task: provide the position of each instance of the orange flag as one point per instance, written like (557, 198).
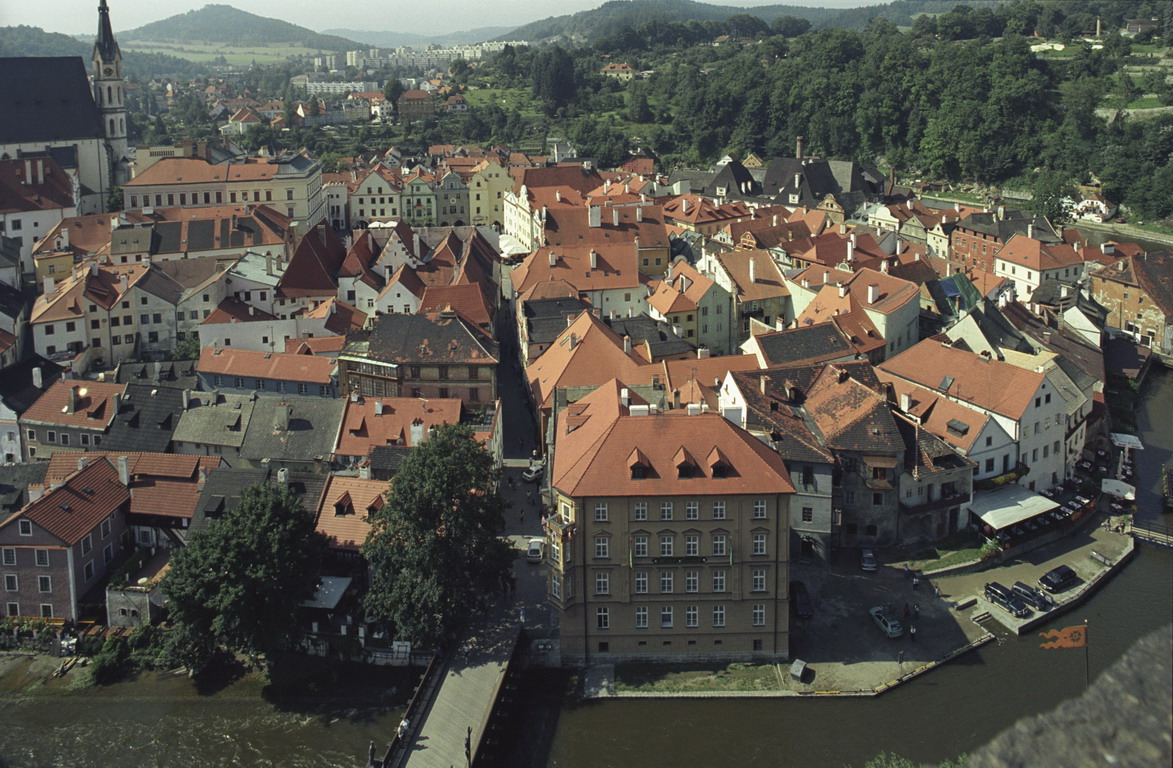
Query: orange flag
(1068, 637)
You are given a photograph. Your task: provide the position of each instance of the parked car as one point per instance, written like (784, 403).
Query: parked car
(536, 551)
(534, 473)
(1035, 598)
(1057, 579)
(800, 600)
(867, 560)
(888, 624)
(1001, 596)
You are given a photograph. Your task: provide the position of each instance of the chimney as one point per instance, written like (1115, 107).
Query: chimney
(806, 283)
(842, 290)
(615, 217)
(1064, 291)
(572, 342)
(322, 232)
(364, 471)
(124, 470)
(1030, 230)
(28, 171)
(797, 180)
(553, 259)
(906, 402)
(851, 249)
(957, 207)
(884, 266)
(625, 397)
(558, 195)
(83, 462)
(1107, 248)
(268, 263)
(569, 319)
(378, 407)
(281, 417)
(762, 385)
(594, 216)
(702, 353)
(627, 345)
(123, 283)
(354, 396)
(800, 147)
(73, 399)
(684, 205)
(186, 399)
(50, 284)
(419, 435)
(203, 477)
(594, 259)
(283, 476)
(1001, 212)
(873, 293)
(639, 213)
(753, 272)
(38, 378)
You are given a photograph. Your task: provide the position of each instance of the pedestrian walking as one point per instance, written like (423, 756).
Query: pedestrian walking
(916, 610)
(906, 570)
(936, 590)
(915, 583)
(906, 611)
(521, 514)
(912, 634)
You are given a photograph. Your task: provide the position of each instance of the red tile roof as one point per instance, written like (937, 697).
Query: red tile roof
(232, 309)
(364, 427)
(468, 300)
(344, 509)
(75, 509)
(95, 404)
(265, 365)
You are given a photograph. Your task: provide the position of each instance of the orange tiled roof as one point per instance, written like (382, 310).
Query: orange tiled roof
(935, 412)
(587, 352)
(768, 282)
(1032, 254)
(94, 404)
(265, 365)
(87, 498)
(344, 509)
(370, 422)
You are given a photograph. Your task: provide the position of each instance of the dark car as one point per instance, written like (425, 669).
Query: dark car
(1035, 598)
(1005, 599)
(1057, 579)
(800, 600)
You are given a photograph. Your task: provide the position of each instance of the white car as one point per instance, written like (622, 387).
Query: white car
(536, 550)
(534, 473)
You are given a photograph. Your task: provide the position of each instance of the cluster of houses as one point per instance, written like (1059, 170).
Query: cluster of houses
(730, 368)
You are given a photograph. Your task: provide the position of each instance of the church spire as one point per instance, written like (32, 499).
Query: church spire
(105, 46)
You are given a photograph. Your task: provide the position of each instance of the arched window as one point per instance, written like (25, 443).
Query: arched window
(109, 96)
(121, 125)
(111, 126)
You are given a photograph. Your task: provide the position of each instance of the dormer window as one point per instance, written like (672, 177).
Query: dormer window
(718, 463)
(638, 463)
(685, 463)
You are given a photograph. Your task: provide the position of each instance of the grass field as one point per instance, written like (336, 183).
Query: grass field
(507, 99)
(673, 678)
(234, 55)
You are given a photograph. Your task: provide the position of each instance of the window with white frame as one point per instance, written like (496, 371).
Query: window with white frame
(600, 511)
(107, 554)
(11, 583)
(759, 614)
(42, 558)
(556, 586)
(87, 544)
(666, 546)
(602, 618)
(107, 526)
(718, 581)
(692, 510)
(718, 615)
(718, 510)
(641, 510)
(602, 548)
(45, 584)
(8, 555)
(759, 509)
(692, 545)
(12, 609)
(691, 616)
(25, 527)
(641, 617)
(602, 583)
(89, 570)
(666, 617)
(718, 545)
(665, 510)
(641, 582)
(639, 546)
(759, 580)
(692, 581)
(759, 544)
(666, 582)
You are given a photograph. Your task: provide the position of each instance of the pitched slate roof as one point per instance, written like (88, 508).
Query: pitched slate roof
(179, 374)
(925, 454)
(16, 382)
(312, 428)
(214, 418)
(546, 318)
(87, 498)
(15, 480)
(813, 343)
(147, 417)
(793, 434)
(432, 338)
(46, 99)
(660, 340)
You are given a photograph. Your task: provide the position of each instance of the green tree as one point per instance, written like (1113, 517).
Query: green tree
(393, 89)
(1051, 193)
(435, 547)
(187, 348)
(238, 584)
(114, 199)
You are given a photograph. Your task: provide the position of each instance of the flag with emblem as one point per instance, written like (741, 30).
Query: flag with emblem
(1068, 637)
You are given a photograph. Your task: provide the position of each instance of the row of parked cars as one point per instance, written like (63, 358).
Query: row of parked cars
(1020, 599)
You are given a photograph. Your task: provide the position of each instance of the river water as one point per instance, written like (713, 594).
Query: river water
(166, 722)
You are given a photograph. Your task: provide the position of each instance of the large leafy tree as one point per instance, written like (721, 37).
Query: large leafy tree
(435, 548)
(238, 583)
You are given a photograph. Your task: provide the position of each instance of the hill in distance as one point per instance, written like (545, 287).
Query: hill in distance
(389, 39)
(34, 41)
(227, 25)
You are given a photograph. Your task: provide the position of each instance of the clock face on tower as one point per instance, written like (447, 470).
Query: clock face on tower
(109, 70)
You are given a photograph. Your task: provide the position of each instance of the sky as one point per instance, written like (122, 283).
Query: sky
(75, 17)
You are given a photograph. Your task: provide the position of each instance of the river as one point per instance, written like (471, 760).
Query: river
(166, 722)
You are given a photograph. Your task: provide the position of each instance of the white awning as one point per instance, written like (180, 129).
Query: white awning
(1122, 440)
(1118, 489)
(1010, 504)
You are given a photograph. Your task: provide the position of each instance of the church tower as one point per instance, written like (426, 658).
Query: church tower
(110, 96)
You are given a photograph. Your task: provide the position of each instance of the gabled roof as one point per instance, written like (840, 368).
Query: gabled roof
(955, 423)
(345, 506)
(814, 343)
(468, 300)
(315, 264)
(1152, 272)
(100, 285)
(617, 267)
(592, 456)
(545, 318)
(306, 434)
(440, 337)
(1033, 254)
(586, 352)
(233, 310)
(147, 417)
(46, 99)
(215, 418)
(850, 414)
(682, 289)
(34, 183)
(926, 454)
(370, 422)
(265, 365)
(76, 403)
(16, 382)
(991, 385)
(168, 373)
(340, 317)
(70, 512)
(767, 282)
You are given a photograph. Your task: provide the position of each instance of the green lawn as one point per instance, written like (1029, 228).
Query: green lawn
(1145, 102)
(507, 99)
(675, 678)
